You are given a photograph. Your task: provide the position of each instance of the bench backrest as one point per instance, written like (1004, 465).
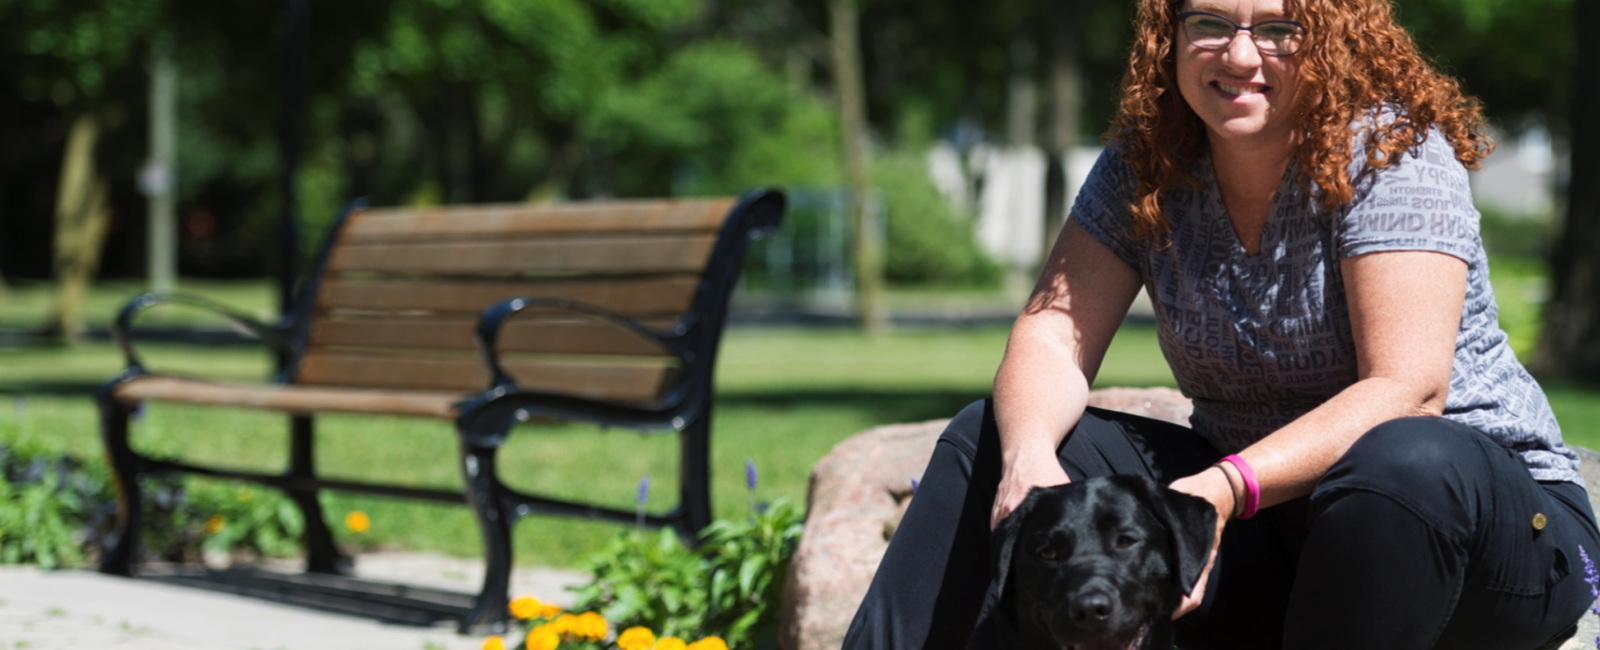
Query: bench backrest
(400, 290)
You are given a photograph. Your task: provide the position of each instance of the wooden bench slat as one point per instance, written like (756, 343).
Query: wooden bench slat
(303, 400)
(626, 216)
(619, 255)
(638, 381)
(631, 297)
(520, 335)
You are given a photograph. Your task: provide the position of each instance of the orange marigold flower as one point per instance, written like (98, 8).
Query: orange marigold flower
(636, 638)
(357, 521)
(550, 612)
(526, 607)
(494, 643)
(543, 639)
(709, 643)
(590, 625)
(671, 643)
(215, 524)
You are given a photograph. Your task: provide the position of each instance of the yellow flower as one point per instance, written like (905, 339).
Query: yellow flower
(357, 521)
(591, 626)
(561, 624)
(526, 607)
(215, 524)
(494, 643)
(636, 638)
(550, 612)
(671, 643)
(543, 639)
(709, 643)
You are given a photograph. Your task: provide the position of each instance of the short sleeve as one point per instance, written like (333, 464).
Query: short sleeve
(1102, 205)
(1421, 203)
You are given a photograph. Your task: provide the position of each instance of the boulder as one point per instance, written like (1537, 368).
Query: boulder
(858, 493)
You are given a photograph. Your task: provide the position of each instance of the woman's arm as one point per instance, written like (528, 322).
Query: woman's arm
(1405, 311)
(1055, 349)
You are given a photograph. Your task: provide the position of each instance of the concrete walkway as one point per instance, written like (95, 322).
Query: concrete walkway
(63, 610)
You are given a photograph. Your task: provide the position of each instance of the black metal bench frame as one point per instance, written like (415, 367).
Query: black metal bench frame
(483, 424)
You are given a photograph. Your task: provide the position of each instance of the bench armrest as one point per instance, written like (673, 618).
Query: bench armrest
(495, 317)
(121, 330)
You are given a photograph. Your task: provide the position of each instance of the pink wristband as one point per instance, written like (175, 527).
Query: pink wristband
(1252, 487)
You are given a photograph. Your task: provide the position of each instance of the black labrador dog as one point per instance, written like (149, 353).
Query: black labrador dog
(1098, 564)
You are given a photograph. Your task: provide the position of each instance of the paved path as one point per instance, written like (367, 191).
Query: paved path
(64, 610)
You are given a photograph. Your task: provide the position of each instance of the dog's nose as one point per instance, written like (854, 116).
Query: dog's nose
(1091, 608)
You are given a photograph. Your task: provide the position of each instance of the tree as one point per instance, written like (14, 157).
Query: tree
(76, 52)
(1570, 347)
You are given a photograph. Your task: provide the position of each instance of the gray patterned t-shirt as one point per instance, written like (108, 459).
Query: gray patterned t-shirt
(1257, 341)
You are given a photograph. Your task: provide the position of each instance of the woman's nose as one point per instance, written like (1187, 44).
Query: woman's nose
(1242, 51)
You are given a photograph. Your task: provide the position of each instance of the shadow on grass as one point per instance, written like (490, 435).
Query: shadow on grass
(60, 388)
(880, 405)
(395, 604)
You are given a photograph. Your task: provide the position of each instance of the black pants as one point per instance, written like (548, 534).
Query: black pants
(1421, 536)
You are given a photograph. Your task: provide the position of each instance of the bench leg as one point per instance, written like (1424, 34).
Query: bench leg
(695, 490)
(495, 516)
(123, 545)
(322, 555)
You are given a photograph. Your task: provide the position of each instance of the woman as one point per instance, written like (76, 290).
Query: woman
(1288, 182)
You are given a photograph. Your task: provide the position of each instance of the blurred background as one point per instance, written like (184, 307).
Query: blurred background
(206, 146)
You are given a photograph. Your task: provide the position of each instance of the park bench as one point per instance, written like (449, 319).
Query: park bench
(488, 316)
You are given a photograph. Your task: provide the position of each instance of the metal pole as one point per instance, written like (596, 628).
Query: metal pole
(159, 178)
(293, 98)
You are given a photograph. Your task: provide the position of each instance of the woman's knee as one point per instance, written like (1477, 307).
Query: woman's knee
(967, 429)
(1426, 463)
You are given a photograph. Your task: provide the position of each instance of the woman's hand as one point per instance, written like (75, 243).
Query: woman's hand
(1213, 486)
(1023, 472)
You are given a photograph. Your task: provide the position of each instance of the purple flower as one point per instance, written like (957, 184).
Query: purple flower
(749, 474)
(914, 485)
(644, 490)
(1593, 578)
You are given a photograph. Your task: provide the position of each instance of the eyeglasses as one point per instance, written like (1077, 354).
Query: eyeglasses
(1209, 31)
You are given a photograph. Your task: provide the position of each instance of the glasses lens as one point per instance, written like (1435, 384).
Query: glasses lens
(1208, 31)
(1279, 38)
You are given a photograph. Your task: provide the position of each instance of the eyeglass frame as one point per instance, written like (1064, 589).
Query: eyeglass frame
(1183, 16)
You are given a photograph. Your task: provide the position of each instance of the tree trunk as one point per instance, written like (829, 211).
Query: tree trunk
(1066, 105)
(847, 75)
(82, 216)
(1570, 345)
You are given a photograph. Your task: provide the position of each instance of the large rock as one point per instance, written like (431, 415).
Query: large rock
(858, 493)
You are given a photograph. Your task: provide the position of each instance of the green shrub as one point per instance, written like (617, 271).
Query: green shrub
(928, 242)
(40, 523)
(729, 587)
(56, 510)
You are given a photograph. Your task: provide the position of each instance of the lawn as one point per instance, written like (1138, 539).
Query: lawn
(785, 397)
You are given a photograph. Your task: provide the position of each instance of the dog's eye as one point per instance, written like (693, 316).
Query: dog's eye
(1126, 541)
(1047, 553)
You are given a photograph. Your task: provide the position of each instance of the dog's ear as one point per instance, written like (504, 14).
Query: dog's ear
(1004, 540)
(1191, 525)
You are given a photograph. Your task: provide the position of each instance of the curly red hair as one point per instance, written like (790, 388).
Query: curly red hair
(1356, 59)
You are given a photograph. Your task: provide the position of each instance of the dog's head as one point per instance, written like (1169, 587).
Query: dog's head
(1093, 565)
